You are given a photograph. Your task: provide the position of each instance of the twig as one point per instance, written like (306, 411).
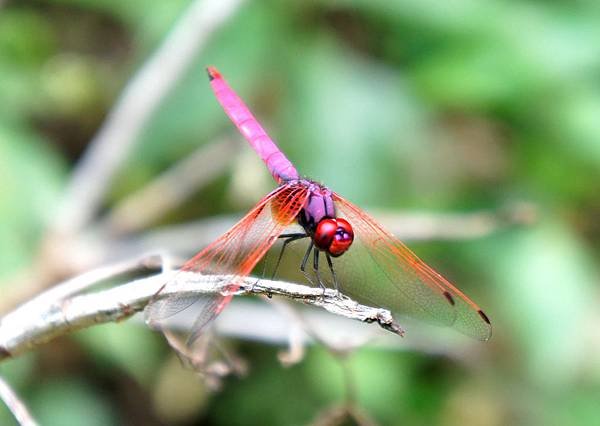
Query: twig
(296, 335)
(249, 319)
(170, 189)
(406, 226)
(37, 322)
(14, 404)
(144, 265)
(421, 226)
(111, 146)
(176, 239)
(60, 254)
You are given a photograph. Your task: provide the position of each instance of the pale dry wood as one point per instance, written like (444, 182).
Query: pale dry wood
(66, 247)
(47, 317)
(136, 105)
(169, 190)
(15, 405)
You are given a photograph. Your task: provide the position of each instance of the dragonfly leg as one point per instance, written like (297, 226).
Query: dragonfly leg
(316, 268)
(305, 261)
(288, 239)
(335, 281)
(294, 234)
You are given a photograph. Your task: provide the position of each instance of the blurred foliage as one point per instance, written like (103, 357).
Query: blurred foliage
(447, 106)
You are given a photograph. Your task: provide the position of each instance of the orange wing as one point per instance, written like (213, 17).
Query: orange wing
(380, 270)
(232, 255)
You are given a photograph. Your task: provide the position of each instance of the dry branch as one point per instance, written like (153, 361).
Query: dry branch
(47, 317)
(170, 189)
(140, 98)
(14, 404)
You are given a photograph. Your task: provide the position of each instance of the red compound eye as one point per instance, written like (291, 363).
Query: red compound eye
(325, 233)
(334, 236)
(343, 238)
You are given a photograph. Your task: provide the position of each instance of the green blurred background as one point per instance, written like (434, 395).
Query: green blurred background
(455, 106)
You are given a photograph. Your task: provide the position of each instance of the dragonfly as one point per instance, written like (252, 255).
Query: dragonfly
(346, 248)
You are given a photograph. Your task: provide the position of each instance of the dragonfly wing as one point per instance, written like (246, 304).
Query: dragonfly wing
(378, 268)
(232, 257)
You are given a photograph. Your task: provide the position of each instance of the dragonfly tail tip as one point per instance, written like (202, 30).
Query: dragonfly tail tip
(212, 73)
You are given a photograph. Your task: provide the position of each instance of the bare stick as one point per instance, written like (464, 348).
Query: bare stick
(116, 138)
(406, 226)
(38, 321)
(14, 404)
(139, 266)
(169, 190)
(422, 226)
(410, 226)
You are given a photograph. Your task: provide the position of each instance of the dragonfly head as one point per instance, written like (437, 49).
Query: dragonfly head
(334, 236)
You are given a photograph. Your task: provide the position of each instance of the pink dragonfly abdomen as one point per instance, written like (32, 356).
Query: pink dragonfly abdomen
(280, 167)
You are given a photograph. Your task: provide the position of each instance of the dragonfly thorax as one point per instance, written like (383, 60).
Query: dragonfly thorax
(319, 205)
(318, 218)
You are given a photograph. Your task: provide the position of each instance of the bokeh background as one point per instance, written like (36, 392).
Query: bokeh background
(429, 107)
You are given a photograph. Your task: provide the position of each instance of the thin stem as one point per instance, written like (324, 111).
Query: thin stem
(138, 102)
(169, 190)
(14, 404)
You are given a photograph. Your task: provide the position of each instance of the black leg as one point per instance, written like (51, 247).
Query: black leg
(335, 281)
(305, 259)
(316, 268)
(294, 234)
(289, 239)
